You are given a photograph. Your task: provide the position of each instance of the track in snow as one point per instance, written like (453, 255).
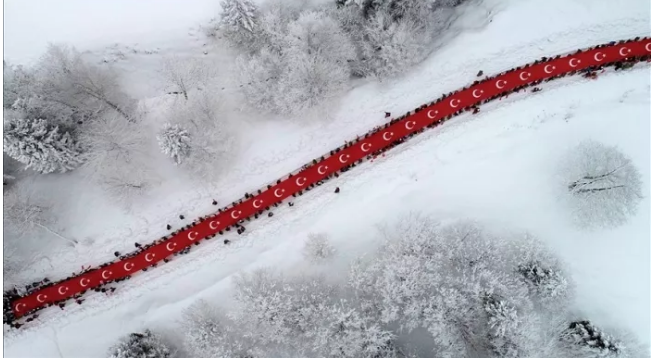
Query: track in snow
(379, 139)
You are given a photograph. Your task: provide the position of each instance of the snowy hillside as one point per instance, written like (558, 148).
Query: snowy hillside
(497, 167)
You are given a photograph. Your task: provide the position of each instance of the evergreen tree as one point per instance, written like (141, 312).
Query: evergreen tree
(590, 341)
(174, 141)
(39, 146)
(140, 345)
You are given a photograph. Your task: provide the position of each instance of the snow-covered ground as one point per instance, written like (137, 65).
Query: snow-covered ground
(496, 167)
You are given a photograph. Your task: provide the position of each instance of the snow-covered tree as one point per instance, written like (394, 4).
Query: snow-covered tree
(437, 277)
(287, 310)
(304, 64)
(502, 323)
(317, 248)
(239, 23)
(212, 138)
(16, 82)
(174, 142)
(603, 185)
(347, 332)
(140, 345)
(545, 282)
(391, 47)
(209, 333)
(39, 146)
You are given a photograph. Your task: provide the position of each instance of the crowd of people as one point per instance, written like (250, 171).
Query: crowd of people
(15, 293)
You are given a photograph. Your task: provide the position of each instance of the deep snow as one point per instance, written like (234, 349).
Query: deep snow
(495, 167)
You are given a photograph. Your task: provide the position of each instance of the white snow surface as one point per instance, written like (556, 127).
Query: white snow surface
(495, 167)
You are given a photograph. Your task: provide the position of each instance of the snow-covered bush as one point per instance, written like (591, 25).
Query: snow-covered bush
(40, 146)
(174, 142)
(140, 345)
(603, 185)
(317, 248)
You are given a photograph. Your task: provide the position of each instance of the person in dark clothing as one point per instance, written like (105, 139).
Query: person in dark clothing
(387, 114)
(338, 190)
(226, 241)
(270, 214)
(116, 253)
(181, 217)
(214, 202)
(290, 203)
(136, 244)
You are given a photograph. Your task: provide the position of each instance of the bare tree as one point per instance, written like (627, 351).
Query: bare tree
(117, 154)
(184, 74)
(603, 185)
(24, 215)
(65, 78)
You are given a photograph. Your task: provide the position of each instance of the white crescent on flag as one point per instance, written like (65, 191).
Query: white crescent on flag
(281, 192)
(193, 234)
(599, 56)
(525, 75)
(300, 181)
(128, 266)
(432, 113)
(214, 224)
(363, 149)
(625, 52)
(257, 203)
(409, 125)
(38, 297)
(104, 272)
(149, 257)
(19, 306)
(474, 93)
(343, 158)
(548, 69)
(390, 135)
(62, 290)
(81, 282)
(169, 248)
(454, 102)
